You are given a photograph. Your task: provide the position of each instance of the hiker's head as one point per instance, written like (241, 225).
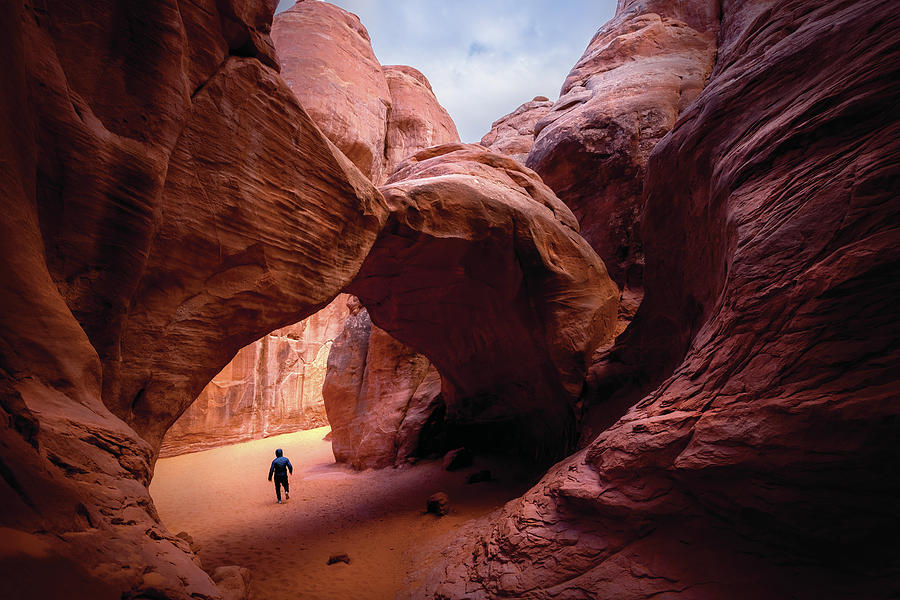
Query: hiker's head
(278, 452)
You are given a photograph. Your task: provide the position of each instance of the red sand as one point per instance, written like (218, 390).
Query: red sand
(223, 499)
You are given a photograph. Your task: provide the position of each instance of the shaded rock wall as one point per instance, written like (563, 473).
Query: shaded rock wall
(378, 393)
(481, 268)
(625, 93)
(166, 201)
(272, 386)
(513, 134)
(765, 466)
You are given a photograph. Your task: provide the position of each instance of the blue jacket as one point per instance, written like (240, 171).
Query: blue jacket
(280, 466)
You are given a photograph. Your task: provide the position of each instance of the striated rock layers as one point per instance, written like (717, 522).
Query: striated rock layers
(765, 466)
(639, 72)
(376, 115)
(481, 268)
(272, 386)
(166, 201)
(513, 134)
(379, 395)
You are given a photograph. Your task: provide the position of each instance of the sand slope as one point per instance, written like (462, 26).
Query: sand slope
(223, 499)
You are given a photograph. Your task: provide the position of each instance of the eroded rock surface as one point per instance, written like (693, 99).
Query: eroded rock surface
(327, 59)
(416, 120)
(513, 134)
(378, 394)
(765, 466)
(639, 72)
(480, 268)
(166, 202)
(272, 386)
(376, 115)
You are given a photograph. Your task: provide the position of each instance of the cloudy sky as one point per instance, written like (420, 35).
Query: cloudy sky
(483, 57)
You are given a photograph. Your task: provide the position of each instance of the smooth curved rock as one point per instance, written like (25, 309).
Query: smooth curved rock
(625, 93)
(765, 466)
(166, 201)
(378, 394)
(416, 120)
(271, 386)
(327, 59)
(480, 268)
(513, 134)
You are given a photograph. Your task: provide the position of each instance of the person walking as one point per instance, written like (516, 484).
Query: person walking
(280, 467)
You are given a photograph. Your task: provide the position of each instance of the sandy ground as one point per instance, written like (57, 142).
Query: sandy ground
(223, 499)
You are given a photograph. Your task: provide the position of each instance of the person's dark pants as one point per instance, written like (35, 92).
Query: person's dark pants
(281, 480)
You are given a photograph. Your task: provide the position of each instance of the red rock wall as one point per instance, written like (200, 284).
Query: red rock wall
(376, 115)
(272, 386)
(765, 466)
(513, 134)
(166, 201)
(378, 394)
(625, 93)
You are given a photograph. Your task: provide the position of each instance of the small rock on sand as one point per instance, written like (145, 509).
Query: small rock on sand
(457, 459)
(438, 504)
(341, 557)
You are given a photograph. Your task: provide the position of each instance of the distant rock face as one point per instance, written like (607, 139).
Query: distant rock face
(166, 201)
(378, 394)
(765, 466)
(513, 134)
(416, 120)
(470, 228)
(638, 73)
(272, 386)
(327, 59)
(376, 115)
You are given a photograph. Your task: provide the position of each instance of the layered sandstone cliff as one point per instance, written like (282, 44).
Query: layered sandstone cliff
(271, 386)
(639, 72)
(763, 466)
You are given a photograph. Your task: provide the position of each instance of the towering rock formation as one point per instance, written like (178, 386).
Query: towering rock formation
(416, 120)
(513, 134)
(639, 72)
(376, 115)
(765, 465)
(272, 386)
(166, 200)
(481, 268)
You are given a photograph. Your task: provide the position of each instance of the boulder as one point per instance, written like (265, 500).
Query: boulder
(341, 557)
(234, 582)
(438, 504)
(457, 459)
(513, 134)
(764, 465)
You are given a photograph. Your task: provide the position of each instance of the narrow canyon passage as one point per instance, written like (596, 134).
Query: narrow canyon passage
(222, 499)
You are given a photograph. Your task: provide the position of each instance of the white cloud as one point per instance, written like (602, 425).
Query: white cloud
(483, 57)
